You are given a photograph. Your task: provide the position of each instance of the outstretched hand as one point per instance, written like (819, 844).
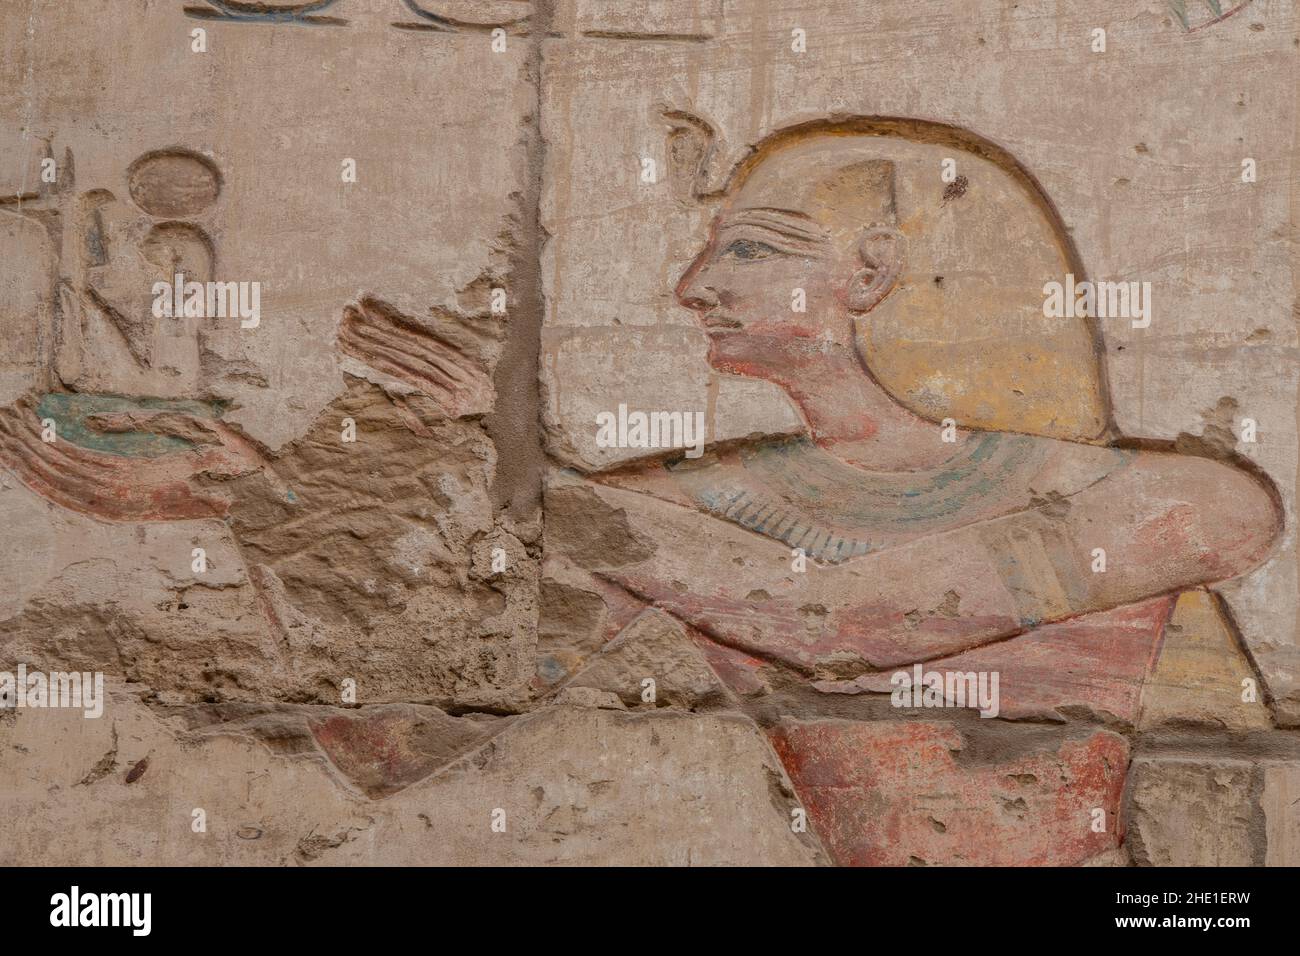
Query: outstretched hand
(381, 337)
(171, 486)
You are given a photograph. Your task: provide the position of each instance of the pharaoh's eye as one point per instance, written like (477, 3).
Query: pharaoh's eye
(748, 249)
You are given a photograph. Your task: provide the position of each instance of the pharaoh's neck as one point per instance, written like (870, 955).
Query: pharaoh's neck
(853, 418)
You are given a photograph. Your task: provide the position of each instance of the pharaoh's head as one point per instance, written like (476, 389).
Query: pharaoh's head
(851, 236)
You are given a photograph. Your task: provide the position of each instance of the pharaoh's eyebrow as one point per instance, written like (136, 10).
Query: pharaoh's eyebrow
(785, 222)
(788, 213)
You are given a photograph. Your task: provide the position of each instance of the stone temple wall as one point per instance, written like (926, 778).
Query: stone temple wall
(649, 431)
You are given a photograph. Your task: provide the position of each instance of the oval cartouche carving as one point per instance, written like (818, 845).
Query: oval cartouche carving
(173, 183)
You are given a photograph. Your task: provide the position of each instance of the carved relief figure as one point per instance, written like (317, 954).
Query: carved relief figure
(1027, 533)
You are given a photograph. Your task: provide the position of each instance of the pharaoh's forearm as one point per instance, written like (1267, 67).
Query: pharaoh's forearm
(928, 597)
(914, 602)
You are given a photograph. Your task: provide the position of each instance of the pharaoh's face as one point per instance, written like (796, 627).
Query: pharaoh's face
(948, 323)
(787, 263)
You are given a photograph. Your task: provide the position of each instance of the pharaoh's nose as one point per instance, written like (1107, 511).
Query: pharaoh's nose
(694, 292)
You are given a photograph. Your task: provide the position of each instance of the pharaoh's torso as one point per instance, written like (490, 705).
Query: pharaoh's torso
(799, 495)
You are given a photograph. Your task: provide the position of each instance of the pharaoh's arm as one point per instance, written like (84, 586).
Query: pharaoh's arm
(1164, 522)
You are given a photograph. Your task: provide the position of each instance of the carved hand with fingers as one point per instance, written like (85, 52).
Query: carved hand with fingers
(123, 461)
(439, 364)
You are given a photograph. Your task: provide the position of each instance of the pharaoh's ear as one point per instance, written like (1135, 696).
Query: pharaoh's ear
(883, 251)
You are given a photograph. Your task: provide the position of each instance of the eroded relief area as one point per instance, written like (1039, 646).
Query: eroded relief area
(662, 436)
